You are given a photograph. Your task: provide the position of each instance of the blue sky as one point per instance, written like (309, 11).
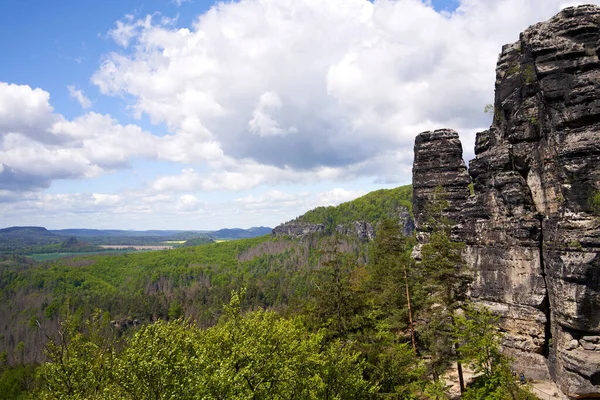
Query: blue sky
(153, 114)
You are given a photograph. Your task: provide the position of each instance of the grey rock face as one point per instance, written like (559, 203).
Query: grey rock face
(298, 229)
(529, 229)
(531, 236)
(361, 229)
(438, 161)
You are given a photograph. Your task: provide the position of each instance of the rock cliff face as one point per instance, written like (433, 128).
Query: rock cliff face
(298, 229)
(530, 232)
(359, 229)
(438, 161)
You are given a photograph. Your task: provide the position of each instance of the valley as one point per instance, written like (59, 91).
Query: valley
(479, 280)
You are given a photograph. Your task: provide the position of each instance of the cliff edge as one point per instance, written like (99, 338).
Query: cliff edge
(532, 236)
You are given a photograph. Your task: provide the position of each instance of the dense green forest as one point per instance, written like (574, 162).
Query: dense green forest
(326, 317)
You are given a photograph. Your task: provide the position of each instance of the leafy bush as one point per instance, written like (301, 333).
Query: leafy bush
(594, 202)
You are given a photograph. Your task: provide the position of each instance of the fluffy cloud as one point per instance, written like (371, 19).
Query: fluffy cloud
(146, 210)
(297, 86)
(38, 146)
(77, 94)
(26, 111)
(269, 92)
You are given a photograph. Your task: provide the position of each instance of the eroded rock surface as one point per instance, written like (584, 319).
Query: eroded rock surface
(360, 229)
(530, 232)
(438, 161)
(298, 229)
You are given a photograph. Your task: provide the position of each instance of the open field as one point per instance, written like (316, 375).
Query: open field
(128, 246)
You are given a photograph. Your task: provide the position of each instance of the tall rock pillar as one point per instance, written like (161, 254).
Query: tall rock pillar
(438, 161)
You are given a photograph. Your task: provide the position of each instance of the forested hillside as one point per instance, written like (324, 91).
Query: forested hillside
(371, 208)
(330, 313)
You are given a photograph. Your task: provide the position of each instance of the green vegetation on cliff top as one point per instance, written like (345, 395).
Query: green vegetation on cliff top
(372, 207)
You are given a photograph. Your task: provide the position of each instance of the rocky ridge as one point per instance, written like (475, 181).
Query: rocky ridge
(299, 230)
(360, 229)
(530, 232)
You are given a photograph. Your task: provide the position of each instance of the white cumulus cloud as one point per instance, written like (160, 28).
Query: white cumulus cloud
(300, 85)
(77, 94)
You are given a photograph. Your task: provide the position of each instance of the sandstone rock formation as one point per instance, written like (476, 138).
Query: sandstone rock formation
(438, 161)
(360, 229)
(298, 230)
(530, 232)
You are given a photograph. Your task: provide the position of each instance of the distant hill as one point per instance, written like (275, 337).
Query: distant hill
(115, 233)
(237, 233)
(234, 233)
(28, 236)
(31, 238)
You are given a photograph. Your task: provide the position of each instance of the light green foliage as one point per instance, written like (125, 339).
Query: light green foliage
(160, 362)
(256, 356)
(594, 202)
(476, 332)
(436, 390)
(529, 75)
(81, 365)
(488, 109)
(372, 208)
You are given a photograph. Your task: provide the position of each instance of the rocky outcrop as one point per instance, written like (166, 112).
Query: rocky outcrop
(298, 230)
(438, 161)
(362, 230)
(531, 236)
(406, 221)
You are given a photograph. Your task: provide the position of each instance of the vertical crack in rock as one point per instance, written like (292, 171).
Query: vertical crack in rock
(546, 301)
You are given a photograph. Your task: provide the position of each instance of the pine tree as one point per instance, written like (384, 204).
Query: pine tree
(389, 276)
(446, 281)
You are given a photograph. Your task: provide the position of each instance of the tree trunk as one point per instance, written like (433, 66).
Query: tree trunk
(412, 328)
(460, 374)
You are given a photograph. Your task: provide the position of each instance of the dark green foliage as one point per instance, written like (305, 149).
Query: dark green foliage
(444, 281)
(372, 207)
(16, 382)
(594, 202)
(335, 299)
